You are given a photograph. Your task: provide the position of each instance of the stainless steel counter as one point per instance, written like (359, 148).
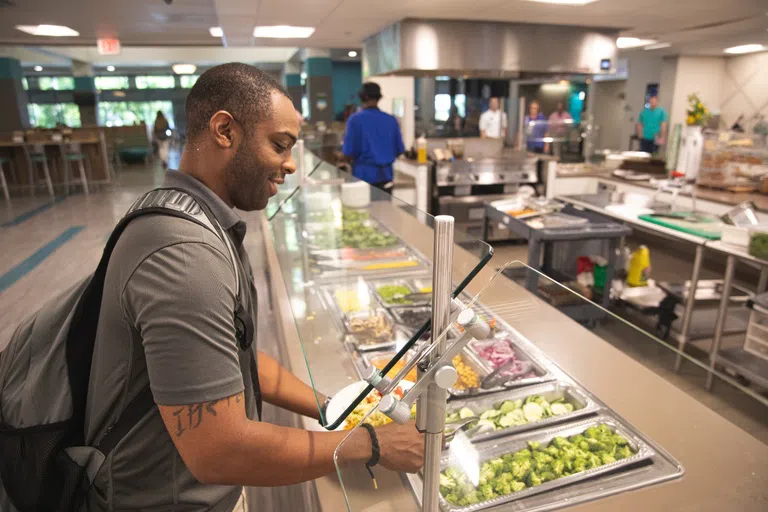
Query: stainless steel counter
(727, 475)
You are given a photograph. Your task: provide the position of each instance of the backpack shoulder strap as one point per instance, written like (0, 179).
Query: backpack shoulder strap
(82, 333)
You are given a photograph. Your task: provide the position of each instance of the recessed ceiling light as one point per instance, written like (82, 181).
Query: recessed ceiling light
(216, 31)
(633, 42)
(745, 48)
(38, 68)
(184, 69)
(283, 32)
(658, 46)
(352, 53)
(110, 68)
(564, 2)
(48, 30)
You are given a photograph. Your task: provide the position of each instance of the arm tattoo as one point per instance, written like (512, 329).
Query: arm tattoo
(190, 416)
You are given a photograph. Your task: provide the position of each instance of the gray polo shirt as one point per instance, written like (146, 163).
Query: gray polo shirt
(167, 321)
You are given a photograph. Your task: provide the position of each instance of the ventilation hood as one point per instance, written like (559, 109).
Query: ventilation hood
(480, 49)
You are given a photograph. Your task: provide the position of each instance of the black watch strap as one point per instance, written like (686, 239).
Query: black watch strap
(375, 452)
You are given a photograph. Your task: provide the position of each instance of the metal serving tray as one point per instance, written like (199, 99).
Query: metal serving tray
(398, 335)
(375, 285)
(493, 449)
(471, 360)
(397, 313)
(543, 373)
(583, 405)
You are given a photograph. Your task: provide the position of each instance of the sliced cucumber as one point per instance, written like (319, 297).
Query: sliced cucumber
(490, 414)
(508, 406)
(558, 409)
(508, 420)
(466, 412)
(533, 412)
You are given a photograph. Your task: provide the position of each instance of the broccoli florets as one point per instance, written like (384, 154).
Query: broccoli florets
(522, 455)
(534, 445)
(518, 486)
(532, 480)
(502, 487)
(486, 492)
(560, 442)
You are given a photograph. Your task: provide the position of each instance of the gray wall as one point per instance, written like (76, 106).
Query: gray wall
(608, 109)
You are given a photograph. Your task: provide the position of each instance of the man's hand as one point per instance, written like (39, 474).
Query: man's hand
(401, 447)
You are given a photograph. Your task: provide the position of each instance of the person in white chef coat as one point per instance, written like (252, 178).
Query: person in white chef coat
(493, 122)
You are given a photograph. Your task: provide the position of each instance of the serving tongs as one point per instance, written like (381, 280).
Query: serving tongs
(497, 378)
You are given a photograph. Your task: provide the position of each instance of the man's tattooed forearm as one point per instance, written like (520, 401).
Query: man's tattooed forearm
(191, 416)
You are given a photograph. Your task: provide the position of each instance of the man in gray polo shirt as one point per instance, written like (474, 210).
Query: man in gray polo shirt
(167, 321)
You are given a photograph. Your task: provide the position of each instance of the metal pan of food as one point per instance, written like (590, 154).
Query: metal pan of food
(504, 470)
(470, 374)
(517, 367)
(518, 410)
(373, 330)
(350, 297)
(412, 318)
(398, 293)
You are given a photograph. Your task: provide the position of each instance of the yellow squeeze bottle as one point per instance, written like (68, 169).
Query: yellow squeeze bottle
(639, 267)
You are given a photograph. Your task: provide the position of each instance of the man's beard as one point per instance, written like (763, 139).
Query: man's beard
(247, 181)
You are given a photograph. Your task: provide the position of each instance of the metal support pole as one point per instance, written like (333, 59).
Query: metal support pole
(722, 313)
(436, 397)
(690, 300)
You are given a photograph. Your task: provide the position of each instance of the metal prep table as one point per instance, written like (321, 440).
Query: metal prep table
(541, 248)
(737, 359)
(598, 203)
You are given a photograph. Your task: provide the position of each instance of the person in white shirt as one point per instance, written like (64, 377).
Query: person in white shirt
(493, 122)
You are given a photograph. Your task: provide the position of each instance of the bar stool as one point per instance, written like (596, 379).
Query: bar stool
(4, 160)
(37, 156)
(73, 153)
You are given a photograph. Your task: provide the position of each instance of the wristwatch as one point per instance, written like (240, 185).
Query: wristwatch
(324, 408)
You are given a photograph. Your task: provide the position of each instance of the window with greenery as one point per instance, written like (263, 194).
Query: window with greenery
(50, 114)
(187, 81)
(56, 83)
(126, 113)
(442, 107)
(105, 83)
(155, 82)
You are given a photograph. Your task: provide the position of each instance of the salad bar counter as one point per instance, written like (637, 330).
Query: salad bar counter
(353, 291)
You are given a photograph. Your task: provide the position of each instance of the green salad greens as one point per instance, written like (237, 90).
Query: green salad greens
(758, 245)
(535, 465)
(394, 294)
(356, 232)
(511, 413)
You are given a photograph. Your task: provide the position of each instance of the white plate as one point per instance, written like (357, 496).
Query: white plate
(346, 396)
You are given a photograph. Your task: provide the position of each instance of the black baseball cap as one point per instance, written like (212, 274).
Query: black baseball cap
(370, 91)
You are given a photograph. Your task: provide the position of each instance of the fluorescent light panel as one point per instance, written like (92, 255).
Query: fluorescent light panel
(48, 30)
(216, 32)
(745, 48)
(283, 32)
(184, 69)
(657, 46)
(633, 42)
(564, 2)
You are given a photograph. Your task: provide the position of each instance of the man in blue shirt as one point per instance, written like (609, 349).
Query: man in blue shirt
(535, 126)
(373, 140)
(652, 126)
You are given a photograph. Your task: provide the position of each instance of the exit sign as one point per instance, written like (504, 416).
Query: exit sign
(109, 46)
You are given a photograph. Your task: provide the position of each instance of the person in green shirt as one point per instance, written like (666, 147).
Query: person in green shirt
(652, 126)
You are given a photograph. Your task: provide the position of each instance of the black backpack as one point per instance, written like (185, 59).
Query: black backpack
(44, 376)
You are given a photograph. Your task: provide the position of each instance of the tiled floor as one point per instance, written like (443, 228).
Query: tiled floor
(39, 260)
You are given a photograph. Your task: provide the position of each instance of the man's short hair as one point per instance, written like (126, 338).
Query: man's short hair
(242, 90)
(370, 91)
